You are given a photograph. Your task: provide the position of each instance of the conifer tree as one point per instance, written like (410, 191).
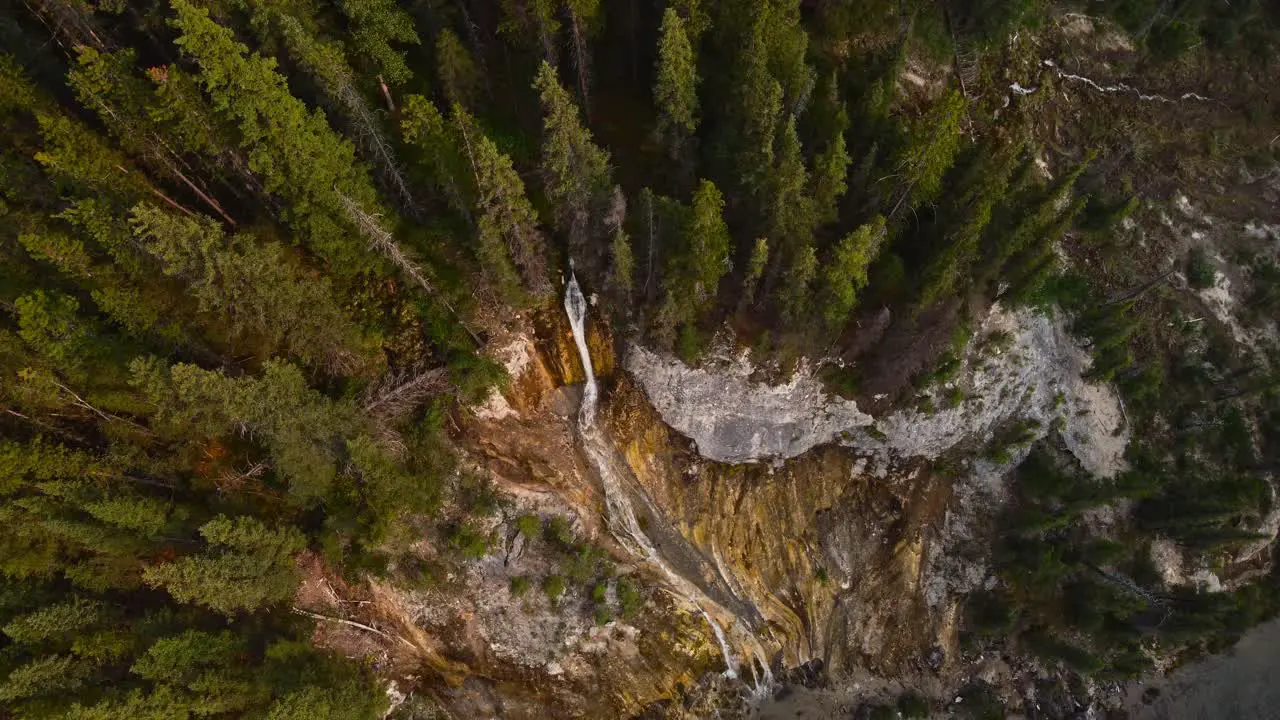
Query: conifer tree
(675, 88)
(294, 151)
(532, 23)
(575, 170)
(460, 77)
(791, 206)
(50, 323)
(788, 42)
(757, 106)
(299, 427)
(77, 156)
(755, 270)
(211, 664)
(709, 244)
(926, 153)
(506, 223)
(55, 625)
(622, 261)
(253, 288)
(143, 122)
(325, 61)
(112, 290)
(795, 291)
(695, 18)
(442, 151)
(969, 218)
(830, 171)
(246, 566)
(1032, 213)
(376, 26)
(791, 221)
(844, 275)
(692, 276)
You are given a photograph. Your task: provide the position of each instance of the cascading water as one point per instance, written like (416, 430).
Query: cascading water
(622, 520)
(575, 306)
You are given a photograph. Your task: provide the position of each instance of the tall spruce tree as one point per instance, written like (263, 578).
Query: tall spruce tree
(377, 26)
(299, 157)
(575, 171)
(675, 88)
(506, 223)
(845, 273)
(251, 287)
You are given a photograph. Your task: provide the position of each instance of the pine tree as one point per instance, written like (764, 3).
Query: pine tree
(622, 261)
(795, 291)
(968, 217)
(246, 566)
(142, 121)
(251, 286)
(791, 212)
(926, 153)
(112, 290)
(442, 151)
(325, 61)
(757, 107)
(299, 426)
(1028, 215)
(294, 151)
(55, 625)
(709, 244)
(506, 224)
(830, 170)
(844, 275)
(692, 277)
(50, 675)
(532, 24)
(575, 170)
(144, 515)
(78, 157)
(460, 77)
(755, 270)
(791, 221)
(788, 43)
(675, 87)
(376, 26)
(51, 324)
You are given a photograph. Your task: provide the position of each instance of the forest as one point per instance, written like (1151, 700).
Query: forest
(253, 251)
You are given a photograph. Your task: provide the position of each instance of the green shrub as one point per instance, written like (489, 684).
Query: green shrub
(629, 598)
(585, 564)
(990, 614)
(913, 706)
(558, 532)
(1200, 272)
(553, 586)
(520, 585)
(529, 525)
(469, 541)
(603, 614)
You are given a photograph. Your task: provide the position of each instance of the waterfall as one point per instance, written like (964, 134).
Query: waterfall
(575, 306)
(730, 664)
(621, 516)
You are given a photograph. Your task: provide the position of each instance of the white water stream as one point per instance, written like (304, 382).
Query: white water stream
(622, 520)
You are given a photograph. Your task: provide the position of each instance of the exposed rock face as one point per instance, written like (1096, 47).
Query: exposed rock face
(1037, 376)
(1034, 372)
(829, 555)
(839, 548)
(733, 419)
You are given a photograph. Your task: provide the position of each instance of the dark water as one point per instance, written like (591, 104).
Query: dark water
(1243, 684)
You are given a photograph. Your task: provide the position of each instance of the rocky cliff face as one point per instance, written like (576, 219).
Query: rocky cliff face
(802, 531)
